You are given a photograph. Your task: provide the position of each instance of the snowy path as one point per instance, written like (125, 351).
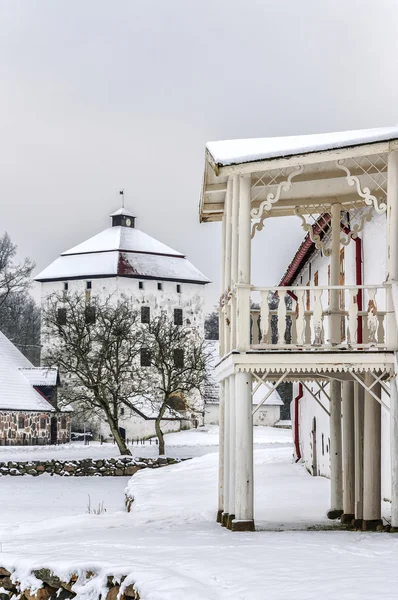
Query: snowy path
(175, 551)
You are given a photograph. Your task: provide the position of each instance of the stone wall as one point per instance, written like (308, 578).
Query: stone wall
(48, 586)
(111, 467)
(18, 428)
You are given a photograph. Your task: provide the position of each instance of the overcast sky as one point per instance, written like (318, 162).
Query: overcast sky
(101, 95)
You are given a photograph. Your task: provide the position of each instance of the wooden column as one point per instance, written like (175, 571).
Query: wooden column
(221, 434)
(227, 447)
(394, 452)
(244, 517)
(392, 321)
(348, 453)
(244, 509)
(336, 475)
(372, 458)
(234, 255)
(227, 267)
(244, 265)
(232, 451)
(336, 466)
(358, 418)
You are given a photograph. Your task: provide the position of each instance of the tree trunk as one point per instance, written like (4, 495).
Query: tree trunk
(158, 429)
(121, 444)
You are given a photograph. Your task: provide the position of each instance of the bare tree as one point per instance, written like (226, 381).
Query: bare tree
(212, 326)
(13, 277)
(20, 322)
(176, 358)
(96, 347)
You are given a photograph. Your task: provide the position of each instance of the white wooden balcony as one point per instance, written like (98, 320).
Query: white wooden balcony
(300, 318)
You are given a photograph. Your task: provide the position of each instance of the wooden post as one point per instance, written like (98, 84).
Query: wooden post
(244, 511)
(336, 469)
(232, 451)
(244, 264)
(336, 475)
(348, 453)
(358, 418)
(221, 434)
(244, 517)
(392, 321)
(227, 271)
(372, 458)
(394, 452)
(227, 448)
(234, 255)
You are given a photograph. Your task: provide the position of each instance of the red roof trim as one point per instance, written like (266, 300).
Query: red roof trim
(305, 250)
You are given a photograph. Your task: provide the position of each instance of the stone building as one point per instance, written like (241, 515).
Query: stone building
(124, 260)
(28, 401)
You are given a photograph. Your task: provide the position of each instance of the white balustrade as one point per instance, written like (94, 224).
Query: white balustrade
(297, 318)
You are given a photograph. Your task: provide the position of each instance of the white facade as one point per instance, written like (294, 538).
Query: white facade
(313, 421)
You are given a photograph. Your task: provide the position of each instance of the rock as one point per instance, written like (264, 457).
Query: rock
(40, 468)
(48, 577)
(119, 472)
(113, 594)
(130, 470)
(43, 593)
(4, 572)
(7, 584)
(162, 460)
(130, 592)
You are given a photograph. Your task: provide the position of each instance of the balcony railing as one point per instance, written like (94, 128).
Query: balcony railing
(319, 318)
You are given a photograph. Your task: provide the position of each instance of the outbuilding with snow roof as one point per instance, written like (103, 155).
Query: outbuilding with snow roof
(28, 401)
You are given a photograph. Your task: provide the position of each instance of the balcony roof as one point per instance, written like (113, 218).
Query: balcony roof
(319, 181)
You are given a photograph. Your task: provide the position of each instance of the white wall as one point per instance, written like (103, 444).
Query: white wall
(266, 415)
(137, 427)
(190, 300)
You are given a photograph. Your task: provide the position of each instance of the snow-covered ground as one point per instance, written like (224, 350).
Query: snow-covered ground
(184, 444)
(173, 549)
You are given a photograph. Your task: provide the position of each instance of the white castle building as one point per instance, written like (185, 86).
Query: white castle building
(125, 260)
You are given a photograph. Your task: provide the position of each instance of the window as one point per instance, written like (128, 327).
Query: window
(61, 316)
(122, 411)
(309, 271)
(179, 358)
(63, 422)
(145, 358)
(89, 315)
(307, 299)
(140, 285)
(160, 286)
(145, 314)
(43, 422)
(21, 422)
(323, 445)
(66, 286)
(89, 285)
(178, 288)
(178, 316)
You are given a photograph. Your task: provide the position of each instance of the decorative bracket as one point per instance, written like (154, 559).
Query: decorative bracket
(314, 237)
(352, 180)
(356, 229)
(262, 212)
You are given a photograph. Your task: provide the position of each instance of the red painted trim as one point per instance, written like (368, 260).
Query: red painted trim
(296, 422)
(303, 253)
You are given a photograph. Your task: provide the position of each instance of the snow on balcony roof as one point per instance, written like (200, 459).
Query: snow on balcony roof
(16, 393)
(40, 376)
(230, 152)
(122, 238)
(122, 211)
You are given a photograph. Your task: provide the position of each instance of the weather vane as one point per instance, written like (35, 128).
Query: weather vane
(121, 192)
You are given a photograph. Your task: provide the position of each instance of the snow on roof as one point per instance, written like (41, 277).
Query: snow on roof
(16, 393)
(231, 152)
(86, 265)
(40, 376)
(273, 400)
(122, 238)
(161, 267)
(122, 211)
